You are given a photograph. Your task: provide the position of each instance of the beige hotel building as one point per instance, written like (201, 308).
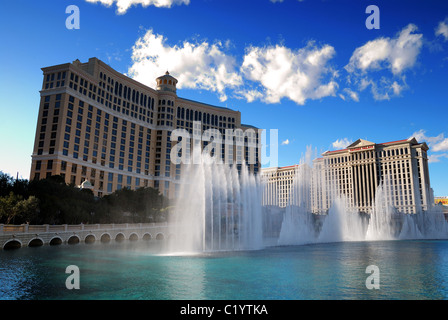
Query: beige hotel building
(98, 125)
(356, 172)
(278, 182)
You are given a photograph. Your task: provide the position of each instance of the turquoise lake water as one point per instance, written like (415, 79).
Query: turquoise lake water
(139, 271)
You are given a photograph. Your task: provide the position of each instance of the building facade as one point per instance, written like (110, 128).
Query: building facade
(278, 182)
(400, 168)
(98, 125)
(357, 172)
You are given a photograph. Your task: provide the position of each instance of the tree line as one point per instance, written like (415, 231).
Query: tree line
(52, 201)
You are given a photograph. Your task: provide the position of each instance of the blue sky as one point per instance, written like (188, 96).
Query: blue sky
(310, 68)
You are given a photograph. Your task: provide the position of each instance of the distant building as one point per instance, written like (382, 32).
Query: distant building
(358, 170)
(99, 125)
(355, 172)
(278, 183)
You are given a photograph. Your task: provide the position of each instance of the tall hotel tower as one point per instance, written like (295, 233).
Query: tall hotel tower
(97, 125)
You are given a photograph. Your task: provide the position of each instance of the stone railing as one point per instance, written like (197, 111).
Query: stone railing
(27, 228)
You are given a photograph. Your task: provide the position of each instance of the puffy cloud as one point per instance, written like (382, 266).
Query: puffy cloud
(280, 72)
(286, 142)
(195, 65)
(397, 54)
(436, 144)
(388, 59)
(124, 5)
(442, 29)
(341, 143)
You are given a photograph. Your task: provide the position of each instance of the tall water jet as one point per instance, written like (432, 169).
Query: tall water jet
(342, 223)
(299, 224)
(217, 209)
(429, 224)
(384, 218)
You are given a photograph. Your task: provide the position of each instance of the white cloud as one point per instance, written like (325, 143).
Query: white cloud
(436, 157)
(352, 94)
(397, 54)
(341, 143)
(195, 65)
(280, 72)
(436, 144)
(442, 29)
(285, 142)
(124, 5)
(388, 59)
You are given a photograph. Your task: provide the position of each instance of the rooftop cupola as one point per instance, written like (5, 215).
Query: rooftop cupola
(166, 83)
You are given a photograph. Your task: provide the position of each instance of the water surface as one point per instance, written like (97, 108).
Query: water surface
(140, 270)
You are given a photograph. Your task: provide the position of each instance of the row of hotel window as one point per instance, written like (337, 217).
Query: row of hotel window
(109, 95)
(370, 155)
(108, 149)
(105, 129)
(86, 142)
(112, 98)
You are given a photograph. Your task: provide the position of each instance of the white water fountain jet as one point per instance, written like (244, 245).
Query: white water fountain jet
(430, 224)
(299, 224)
(298, 227)
(384, 217)
(342, 223)
(217, 209)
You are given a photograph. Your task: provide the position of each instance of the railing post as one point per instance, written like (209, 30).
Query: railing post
(82, 226)
(25, 227)
(47, 227)
(1, 228)
(65, 227)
